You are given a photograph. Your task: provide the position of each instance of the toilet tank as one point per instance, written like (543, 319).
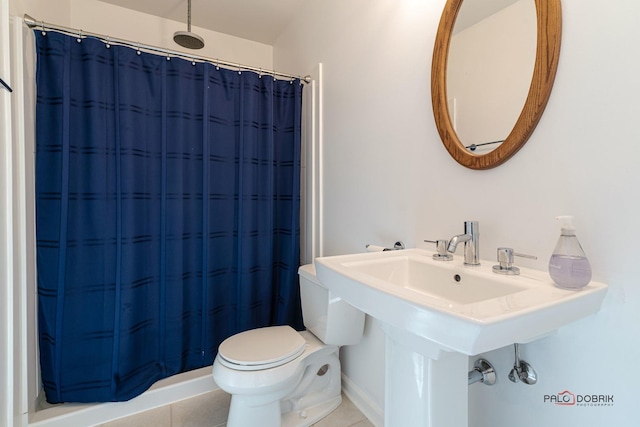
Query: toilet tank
(329, 318)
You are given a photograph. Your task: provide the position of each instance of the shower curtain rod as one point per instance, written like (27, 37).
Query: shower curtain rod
(32, 23)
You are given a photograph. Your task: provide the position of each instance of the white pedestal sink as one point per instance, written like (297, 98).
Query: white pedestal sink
(436, 313)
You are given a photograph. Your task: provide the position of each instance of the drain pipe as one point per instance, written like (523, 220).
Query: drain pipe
(482, 372)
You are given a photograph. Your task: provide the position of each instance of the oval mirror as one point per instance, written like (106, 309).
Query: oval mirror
(482, 125)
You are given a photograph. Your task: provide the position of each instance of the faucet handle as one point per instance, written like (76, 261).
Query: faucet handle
(441, 249)
(505, 260)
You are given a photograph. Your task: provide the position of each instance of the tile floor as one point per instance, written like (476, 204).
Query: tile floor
(211, 410)
(346, 415)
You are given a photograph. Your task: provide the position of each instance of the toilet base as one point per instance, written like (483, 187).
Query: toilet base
(269, 415)
(311, 415)
(243, 414)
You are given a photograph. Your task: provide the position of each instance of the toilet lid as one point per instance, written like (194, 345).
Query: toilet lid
(262, 348)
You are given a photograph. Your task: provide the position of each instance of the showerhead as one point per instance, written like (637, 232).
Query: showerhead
(187, 38)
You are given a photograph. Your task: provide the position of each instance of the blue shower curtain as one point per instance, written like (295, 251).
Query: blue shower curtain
(167, 213)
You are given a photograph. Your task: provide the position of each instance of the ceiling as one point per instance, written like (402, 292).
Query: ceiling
(263, 20)
(257, 20)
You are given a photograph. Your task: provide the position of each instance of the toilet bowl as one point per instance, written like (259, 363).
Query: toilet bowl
(280, 377)
(297, 392)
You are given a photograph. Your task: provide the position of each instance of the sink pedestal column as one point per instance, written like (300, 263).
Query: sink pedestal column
(425, 386)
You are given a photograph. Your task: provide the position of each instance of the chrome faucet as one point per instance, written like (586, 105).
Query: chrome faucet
(471, 243)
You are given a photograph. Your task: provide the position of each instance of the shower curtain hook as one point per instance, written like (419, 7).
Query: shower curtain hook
(260, 73)
(44, 32)
(239, 70)
(193, 61)
(217, 64)
(138, 49)
(108, 43)
(274, 75)
(79, 39)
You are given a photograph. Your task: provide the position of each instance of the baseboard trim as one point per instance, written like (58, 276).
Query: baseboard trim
(363, 402)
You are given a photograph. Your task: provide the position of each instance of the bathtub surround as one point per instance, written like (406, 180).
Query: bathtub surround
(7, 376)
(20, 359)
(167, 213)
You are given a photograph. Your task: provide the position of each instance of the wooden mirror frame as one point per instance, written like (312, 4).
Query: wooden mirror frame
(549, 31)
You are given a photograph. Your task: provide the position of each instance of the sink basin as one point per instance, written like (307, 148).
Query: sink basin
(459, 308)
(446, 282)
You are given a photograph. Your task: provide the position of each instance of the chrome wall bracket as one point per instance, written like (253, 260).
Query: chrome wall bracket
(483, 372)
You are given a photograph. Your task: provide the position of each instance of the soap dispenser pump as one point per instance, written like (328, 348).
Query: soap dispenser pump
(569, 267)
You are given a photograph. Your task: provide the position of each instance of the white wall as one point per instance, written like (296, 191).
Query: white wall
(55, 11)
(388, 177)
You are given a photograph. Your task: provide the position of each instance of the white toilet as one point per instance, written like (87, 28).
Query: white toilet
(280, 377)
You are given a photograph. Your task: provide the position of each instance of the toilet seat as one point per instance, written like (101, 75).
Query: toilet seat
(261, 348)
